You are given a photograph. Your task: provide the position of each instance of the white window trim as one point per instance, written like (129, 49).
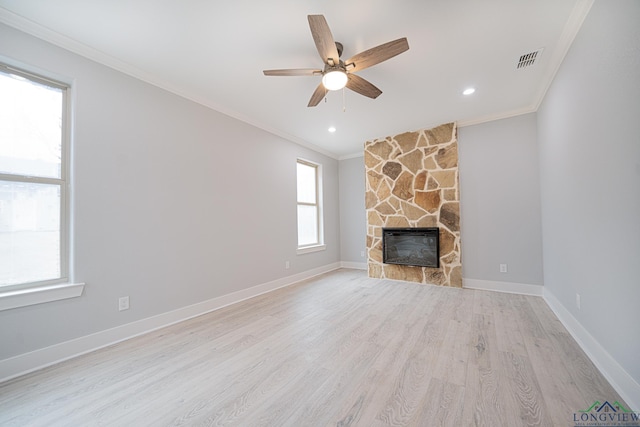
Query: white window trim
(320, 246)
(39, 295)
(309, 249)
(24, 295)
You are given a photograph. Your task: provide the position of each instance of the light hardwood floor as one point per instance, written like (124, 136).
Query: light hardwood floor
(339, 350)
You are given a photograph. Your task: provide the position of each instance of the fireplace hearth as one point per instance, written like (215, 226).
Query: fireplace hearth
(418, 247)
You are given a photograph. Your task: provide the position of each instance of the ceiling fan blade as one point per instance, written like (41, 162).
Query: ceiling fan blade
(377, 55)
(317, 96)
(323, 39)
(363, 87)
(293, 72)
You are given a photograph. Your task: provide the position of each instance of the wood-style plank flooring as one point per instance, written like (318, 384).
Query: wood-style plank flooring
(338, 350)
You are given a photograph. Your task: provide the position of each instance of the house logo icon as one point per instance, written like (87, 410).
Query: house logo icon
(606, 414)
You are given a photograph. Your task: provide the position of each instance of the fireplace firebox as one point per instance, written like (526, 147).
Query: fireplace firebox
(418, 247)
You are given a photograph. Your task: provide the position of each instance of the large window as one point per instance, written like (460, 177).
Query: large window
(33, 180)
(309, 206)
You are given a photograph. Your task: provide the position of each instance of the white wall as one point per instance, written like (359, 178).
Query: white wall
(353, 227)
(174, 203)
(589, 127)
(500, 201)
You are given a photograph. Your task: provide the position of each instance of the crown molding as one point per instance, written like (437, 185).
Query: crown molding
(574, 23)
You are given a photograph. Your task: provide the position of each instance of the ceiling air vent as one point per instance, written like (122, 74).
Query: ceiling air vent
(529, 59)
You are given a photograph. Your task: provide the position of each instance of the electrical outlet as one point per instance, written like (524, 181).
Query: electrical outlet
(503, 268)
(123, 303)
(578, 301)
(287, 265)
(362, 254)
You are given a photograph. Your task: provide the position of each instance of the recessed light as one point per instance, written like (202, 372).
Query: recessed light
(468, 91)
(332, 129)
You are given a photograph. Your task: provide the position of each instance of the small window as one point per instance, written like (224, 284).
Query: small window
(309, 209)
(33, 180)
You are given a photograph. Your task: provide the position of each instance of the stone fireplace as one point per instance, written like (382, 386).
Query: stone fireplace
(412, 182)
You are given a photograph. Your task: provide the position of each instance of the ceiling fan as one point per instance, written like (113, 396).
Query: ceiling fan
(337, 73)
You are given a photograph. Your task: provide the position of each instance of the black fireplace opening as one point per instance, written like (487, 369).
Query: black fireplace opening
(418, 247)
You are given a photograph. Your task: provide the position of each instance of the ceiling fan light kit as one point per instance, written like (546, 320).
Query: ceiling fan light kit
(334, 79)
(338, 74)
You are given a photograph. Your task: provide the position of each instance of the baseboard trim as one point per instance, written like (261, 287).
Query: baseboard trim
(507, 287)
(354, 265)
(28, 362)
(619, 379)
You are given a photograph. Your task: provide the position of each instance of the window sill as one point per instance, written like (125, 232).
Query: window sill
(39, 295)
(309, 249)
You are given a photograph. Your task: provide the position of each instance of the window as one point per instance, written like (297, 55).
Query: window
(33, 180)
(309, 208)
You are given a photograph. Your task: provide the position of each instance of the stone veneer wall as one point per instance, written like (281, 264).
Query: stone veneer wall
(412, 181)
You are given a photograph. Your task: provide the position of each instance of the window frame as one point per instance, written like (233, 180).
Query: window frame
(319, 245)
(29, 293)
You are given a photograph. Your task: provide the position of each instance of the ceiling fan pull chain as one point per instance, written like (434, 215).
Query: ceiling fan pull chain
(344, 101)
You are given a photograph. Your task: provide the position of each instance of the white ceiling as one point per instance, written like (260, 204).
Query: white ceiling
(214, 52)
